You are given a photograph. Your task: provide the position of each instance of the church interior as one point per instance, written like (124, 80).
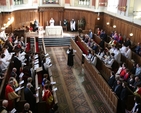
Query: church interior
(70, 56)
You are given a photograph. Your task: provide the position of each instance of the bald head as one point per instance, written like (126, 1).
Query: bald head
(5, 103)
(26, 106)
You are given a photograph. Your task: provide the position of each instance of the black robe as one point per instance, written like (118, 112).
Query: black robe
(70, 57)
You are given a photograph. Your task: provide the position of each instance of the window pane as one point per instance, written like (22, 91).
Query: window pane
(50, 1)
(18, 2)
(82, 3)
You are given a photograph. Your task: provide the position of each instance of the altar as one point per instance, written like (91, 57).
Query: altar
(54, 31)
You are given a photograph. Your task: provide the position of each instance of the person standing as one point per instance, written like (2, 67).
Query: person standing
(51, 22)
(72, 25)
(70, 57)
(3, 108)
(10, 95)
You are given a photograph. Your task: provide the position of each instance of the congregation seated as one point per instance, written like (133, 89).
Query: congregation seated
(138, 70)
(138, 48)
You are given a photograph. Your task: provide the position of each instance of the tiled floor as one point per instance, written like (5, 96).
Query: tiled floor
(75, 93)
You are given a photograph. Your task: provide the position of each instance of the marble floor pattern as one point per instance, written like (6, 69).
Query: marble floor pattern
(76, 92)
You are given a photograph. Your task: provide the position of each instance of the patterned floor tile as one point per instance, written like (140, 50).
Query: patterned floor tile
(76, 97)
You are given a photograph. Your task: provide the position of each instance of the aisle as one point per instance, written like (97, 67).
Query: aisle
(75, 92)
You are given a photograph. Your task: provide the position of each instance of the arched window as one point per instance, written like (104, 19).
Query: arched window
(82, 3)
(112, 6)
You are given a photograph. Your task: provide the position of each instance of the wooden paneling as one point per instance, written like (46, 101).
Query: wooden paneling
(24, 17)
(124, 28)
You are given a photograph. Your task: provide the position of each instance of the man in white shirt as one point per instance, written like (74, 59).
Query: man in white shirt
(128, 53)
(123, 49)
(72, 25)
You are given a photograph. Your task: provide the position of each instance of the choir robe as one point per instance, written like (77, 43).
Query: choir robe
(10, 95)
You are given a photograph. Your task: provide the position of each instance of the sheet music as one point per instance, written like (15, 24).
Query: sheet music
(55, 89)
(21, 82)
(53, 83)
(21, 75)
(19, 88)
(13, 110)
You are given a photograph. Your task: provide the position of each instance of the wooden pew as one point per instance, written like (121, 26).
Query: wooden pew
(50, 74)
(102, 86)
(78, 54)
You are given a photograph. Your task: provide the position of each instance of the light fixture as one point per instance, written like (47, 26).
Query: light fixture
(98, 18)
(114, 26)
(107, 23)
(131, 34)
(8, 19)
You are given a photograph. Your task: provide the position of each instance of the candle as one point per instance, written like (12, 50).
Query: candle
(47, 23)
(60, 23)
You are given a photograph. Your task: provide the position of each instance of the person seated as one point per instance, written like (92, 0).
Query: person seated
(72, 25)
(123, 49)
(95, 47)
(138, 47)
(130, 81)
(128, 53)
(120, 39)
(137, 81)
(123, 72)
(133, 68)
(127, 42)
(117, 55)
(138, 70)
(113, 42)
(98, 32)
(137, 106)
(100, 53)
(110, 61)
(93, 58)
(51, 22)
(122, 66)
(65, 22)
(90, 34)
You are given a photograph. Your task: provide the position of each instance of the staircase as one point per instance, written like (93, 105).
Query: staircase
(49, 42)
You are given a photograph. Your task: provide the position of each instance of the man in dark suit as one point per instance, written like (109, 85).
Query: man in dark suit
(118, 88)
(111, 79)
(29, 96)
(17, 64)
